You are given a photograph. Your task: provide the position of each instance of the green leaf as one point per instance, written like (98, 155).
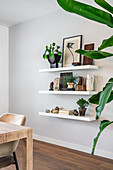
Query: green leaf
(59, 53)
(103, 99)
(95, 98)
(53, 44)
(94, 54)
(50, 46)
(56, 50)
(102, 126)
(105, 5)
(110, 80)
(44, 56)
(87, 11)
(106, 43)
(58, 47)
(51, 55)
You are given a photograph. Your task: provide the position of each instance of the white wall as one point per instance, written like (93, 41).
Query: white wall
(27, 44)
(4, 69)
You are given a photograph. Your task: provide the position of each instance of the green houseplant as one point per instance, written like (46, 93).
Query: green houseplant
(102, 16)
(83, 104)
(70, 81)
(53, 54)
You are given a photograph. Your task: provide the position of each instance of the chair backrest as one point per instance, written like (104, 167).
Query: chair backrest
(10, 147)
(13, 119)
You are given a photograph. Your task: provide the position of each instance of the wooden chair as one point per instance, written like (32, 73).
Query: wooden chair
(7, 150)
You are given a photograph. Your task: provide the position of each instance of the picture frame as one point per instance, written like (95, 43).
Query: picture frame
(63, 76)
(70, 45)
(87, 60)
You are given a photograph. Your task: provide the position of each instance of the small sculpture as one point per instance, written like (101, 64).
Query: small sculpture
(81, 86)
(51, 86)
(75, 112)
(57, 108)
(47, 111)
(56, 84)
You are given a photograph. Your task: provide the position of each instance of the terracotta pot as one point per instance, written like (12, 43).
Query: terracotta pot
(82, 111)
(70, 85)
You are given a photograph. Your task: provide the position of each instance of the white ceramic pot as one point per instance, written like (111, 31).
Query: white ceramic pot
(70, 85)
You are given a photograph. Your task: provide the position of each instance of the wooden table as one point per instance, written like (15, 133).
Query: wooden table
(9, 132)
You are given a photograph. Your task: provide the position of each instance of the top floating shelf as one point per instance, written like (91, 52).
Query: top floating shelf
(73, 68)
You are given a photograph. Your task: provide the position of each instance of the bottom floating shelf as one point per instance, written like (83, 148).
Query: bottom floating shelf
(82, 118)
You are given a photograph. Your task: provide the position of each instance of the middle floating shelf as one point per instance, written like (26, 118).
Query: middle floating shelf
(70, 92)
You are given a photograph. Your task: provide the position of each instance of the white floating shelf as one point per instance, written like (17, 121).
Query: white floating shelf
(73, 68)
(82, 118)
(70, 92)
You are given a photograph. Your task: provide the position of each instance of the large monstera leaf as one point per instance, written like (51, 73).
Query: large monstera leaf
(102, 126)
(87, 11)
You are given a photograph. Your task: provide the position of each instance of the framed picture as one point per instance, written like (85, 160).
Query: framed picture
(70, 45)
(63, 85)
(86, 60)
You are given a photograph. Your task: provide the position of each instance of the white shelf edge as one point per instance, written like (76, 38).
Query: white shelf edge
(81, 118)
(69, 92)
(73, 68)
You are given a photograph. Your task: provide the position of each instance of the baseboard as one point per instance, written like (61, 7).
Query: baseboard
(101, 153)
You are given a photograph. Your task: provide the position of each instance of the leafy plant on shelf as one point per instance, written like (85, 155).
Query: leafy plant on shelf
(71, 79)
(102, 16)
(51, 50)
(82, 103)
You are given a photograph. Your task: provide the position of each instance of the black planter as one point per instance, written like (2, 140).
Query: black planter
(54, 61)
(82, 111)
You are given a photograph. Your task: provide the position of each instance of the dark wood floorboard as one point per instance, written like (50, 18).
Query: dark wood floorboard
(52, 157)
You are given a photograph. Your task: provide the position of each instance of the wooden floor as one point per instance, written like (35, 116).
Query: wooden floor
(52, 157)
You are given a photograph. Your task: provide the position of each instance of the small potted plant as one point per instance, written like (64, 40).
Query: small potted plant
(83, 104)
(53, 54)
(71, 81)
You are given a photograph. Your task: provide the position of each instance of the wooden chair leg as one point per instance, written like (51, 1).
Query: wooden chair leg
(15, 159)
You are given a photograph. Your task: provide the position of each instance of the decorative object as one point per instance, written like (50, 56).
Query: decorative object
(75, 112)
(83, 104)
(53, 55)
(90, 82)
(71, 81)
(81, 86)
(47, 111)
(52, 110)
(63, 83)
(70, 86)
(51, 86)
(56, 84)
(70, 45)
(57, 108)
(87, 60)
(55, 111)
(66, 112)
